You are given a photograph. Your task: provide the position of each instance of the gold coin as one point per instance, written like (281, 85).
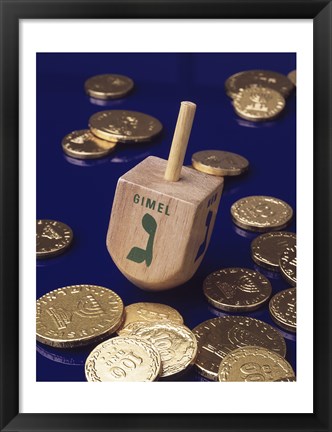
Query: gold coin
(108, 86)
(282, 308)
(219, 163)
(236, 289)
(258, 104)
(77, 315)
(218, 336)
(287, 264)
(176, 344)
(124, 126)
(52, 238)
(123, 359)
(83, 144)
(137, 314)
(256, 79)
(266, 249)
(253, 363)
(292, 76)
(261, 213)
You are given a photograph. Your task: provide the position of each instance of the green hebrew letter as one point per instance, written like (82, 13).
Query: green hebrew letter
(139, 255)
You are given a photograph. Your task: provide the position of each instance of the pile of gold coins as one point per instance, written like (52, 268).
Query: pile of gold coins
(108, 128)
(149, 341)
(152, 341)
(240, 348)
(259, 95)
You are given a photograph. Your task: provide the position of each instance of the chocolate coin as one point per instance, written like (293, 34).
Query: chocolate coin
(108, 86)
(267, 248)
(176, 344)
(287, 264)
(282, 308)
(258, 104)
(52, 238)
(219, 163)
(252, 363)
(77, 315)
(83, 144)
(236, 289)
(261, 213)
(123, 359)
(124, 126)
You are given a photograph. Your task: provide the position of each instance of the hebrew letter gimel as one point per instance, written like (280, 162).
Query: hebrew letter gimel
(139, 255)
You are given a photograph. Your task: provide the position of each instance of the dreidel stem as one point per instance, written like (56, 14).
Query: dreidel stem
(180, 141)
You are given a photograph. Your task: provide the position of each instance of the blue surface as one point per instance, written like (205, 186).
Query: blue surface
(81, 193)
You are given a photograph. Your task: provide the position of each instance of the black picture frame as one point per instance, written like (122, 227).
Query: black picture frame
(11, 11)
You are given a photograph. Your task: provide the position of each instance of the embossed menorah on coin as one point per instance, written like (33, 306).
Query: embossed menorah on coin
(163, 215)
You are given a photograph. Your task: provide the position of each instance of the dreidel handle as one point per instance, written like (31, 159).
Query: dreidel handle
(180, 141)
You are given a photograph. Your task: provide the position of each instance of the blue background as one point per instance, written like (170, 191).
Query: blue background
(80, 193)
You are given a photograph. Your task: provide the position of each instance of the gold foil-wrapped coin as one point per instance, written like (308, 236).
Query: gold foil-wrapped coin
(258, 78)
(52, 238)
(176, 344)
(77, 315)
(124, 126)
(218, 336)
(219, 163)
(123, 359)
(292, 76)
(236, 289)
(83, 144)
(287, 264)
(144, 313)
(108, 86)
(258, 104)
(252, 363)
(267, 248)
(261, 213)
(282, 308)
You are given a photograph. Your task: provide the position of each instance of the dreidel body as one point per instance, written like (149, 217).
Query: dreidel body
(160, 228)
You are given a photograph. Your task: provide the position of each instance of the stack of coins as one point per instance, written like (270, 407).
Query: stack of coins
(259, 95)
(153, 342)
(219, 337)
(107, 128)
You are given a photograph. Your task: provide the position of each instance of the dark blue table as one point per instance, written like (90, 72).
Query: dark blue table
(80, 193)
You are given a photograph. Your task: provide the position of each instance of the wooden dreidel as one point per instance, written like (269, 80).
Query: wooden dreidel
(163, 215)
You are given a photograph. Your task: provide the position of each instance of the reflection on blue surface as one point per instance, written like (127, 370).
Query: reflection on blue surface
(82, 198)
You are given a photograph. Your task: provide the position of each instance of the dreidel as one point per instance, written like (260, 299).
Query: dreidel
(163, 215)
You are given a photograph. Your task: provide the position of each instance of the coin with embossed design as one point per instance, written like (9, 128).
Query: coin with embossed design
(108, 86)
(176, 344)
(292, 76)
(282, 308)
(124, 126)
(261, 213)
(218, 336)
(219, 163)
(83, 144)
(287, 264)
(236, 289)
(254, 364)
(123, 359)
(267, 248)
(258, 78)
(52, 238)
(138, 314)
(258, 104)
(77, 315)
